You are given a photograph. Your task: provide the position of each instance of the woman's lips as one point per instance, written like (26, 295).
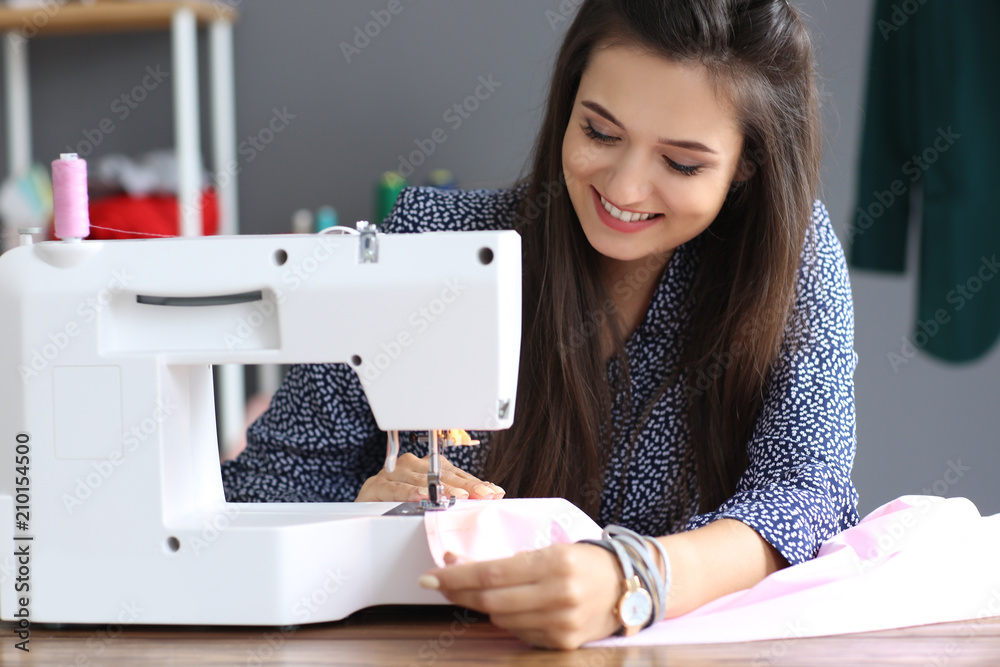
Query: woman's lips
(616, 224)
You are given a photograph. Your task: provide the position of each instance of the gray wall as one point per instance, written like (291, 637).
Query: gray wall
(928, 426)
(353, 120)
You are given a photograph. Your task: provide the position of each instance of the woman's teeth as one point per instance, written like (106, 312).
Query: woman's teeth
(624, 216)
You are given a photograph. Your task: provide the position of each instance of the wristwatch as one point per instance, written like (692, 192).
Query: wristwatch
(635, 607)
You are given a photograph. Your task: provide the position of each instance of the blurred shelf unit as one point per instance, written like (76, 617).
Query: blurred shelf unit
(21, 25)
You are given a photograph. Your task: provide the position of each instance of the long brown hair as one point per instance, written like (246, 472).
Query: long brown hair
(760, 58)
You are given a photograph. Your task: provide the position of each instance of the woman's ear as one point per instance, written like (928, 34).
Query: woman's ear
(746, 169)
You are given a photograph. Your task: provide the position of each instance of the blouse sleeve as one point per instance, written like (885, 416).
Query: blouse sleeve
(797, 490)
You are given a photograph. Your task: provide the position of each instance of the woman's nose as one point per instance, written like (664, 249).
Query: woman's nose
(629, 181)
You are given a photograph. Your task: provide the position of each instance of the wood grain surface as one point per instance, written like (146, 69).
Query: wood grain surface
(447, 636)
(62, 18)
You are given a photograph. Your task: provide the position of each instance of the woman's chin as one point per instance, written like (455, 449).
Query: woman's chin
(616, 247)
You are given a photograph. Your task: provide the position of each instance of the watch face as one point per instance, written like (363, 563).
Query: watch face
(636, 608)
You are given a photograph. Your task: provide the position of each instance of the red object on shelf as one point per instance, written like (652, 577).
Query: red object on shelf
(146, 217)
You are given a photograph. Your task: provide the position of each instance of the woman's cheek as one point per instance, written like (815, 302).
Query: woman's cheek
(695, 199)
(595, 158)
(584, 158)
(571, 151)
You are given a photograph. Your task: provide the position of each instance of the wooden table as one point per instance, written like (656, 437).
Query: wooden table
(424, 636)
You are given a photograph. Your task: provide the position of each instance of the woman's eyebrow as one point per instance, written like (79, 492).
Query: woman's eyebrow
(679, 143)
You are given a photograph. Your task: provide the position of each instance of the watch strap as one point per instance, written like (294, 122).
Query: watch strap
(632, 583)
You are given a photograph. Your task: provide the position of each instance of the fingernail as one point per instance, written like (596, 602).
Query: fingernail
(429, 581)
(461, 494)
(499, 489)
(483, 490)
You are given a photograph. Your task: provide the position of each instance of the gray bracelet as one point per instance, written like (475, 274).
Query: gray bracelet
(645, 561)
(636, 557)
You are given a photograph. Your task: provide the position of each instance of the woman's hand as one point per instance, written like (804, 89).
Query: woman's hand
(408, 483)
(557, 597)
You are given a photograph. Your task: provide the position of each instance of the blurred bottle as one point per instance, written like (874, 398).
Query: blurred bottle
(443, 179)
(302, 221)
(326, 217)
(386, 191)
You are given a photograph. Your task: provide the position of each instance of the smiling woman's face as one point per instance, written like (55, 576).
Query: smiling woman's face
(649, 154)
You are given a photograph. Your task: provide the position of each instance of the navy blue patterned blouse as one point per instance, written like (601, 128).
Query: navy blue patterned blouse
(319, 441)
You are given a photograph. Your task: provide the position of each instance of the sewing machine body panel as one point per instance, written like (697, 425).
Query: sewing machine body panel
(429, 309)
(106, 357)
(233, 569)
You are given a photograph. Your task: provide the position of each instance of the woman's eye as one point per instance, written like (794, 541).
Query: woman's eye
(600, 138)
(684, 169)
(589, 130)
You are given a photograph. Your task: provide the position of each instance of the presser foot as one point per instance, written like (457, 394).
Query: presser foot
(444, 504)
(419, 509)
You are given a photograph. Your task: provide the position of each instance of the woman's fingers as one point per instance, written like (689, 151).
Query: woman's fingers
(452, 477)
(516, 600)
(475, 487)
(408, 483)
(413, 471)
(375, 490)
(560, 596)
(518, 570)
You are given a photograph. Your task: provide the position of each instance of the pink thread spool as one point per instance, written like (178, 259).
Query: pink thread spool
(69, 197)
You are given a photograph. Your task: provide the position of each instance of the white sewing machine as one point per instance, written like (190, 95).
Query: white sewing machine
(111, 498)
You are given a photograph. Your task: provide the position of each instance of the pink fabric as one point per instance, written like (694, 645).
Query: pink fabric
(917, 560)
(476, 530)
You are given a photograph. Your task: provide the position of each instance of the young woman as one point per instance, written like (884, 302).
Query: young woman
(687, 345)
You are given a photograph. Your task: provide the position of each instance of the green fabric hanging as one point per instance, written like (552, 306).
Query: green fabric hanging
(933, 119)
